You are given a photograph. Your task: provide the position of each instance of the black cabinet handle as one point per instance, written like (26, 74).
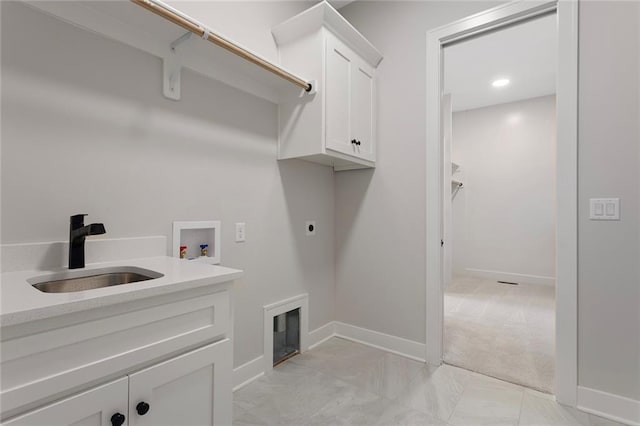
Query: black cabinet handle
(142, 408)
(353, 141)
(118, 419)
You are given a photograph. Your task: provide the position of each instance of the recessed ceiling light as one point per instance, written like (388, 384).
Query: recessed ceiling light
(500, 82)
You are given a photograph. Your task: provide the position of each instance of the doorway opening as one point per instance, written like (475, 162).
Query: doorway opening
(499, 144)
(443, 183)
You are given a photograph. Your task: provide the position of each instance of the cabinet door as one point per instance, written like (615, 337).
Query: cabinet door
(193, 389)
(337, 96)
(94, 407)
(362, 109)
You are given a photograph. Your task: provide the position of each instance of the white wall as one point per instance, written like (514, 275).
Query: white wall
(248, 23)
(85, 129)
(504, 216)
(609, 166)
(380, 216)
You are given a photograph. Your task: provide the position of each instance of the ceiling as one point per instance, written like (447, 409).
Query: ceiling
(340, 3)
(526, 54)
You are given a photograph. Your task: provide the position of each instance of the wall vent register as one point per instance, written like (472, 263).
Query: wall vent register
(286, 336)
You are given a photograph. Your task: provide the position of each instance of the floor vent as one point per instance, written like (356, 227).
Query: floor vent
(507, 282)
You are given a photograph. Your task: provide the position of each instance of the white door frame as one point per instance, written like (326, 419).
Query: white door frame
(567, 178)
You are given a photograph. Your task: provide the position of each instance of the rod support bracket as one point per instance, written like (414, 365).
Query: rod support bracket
(171, 77)
(172, 68)
(177, 42)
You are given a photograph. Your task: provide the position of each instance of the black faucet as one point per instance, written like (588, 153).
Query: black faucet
(77, 234)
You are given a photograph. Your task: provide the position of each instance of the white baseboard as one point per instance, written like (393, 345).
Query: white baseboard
(610, 406)
(254, 369)
(386, 342)
(321, 334)
(512, 277)
(247, 373)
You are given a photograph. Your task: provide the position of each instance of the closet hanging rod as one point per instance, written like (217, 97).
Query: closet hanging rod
(201, 31)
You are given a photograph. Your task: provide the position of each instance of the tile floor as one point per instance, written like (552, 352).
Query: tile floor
(345, 383)
(501, 330)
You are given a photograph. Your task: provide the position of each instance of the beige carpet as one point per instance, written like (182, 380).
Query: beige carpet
(501, 330)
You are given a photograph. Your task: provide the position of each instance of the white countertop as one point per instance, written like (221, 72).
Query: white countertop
(20, 302)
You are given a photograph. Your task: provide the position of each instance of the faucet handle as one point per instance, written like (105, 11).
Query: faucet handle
(78, 219)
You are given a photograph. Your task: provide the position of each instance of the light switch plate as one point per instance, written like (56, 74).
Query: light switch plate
(240, 232)
(604, 209)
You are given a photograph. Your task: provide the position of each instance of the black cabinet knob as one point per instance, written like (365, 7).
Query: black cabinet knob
(353, 141)
(358, 143)
(118, 419)
(142, 408)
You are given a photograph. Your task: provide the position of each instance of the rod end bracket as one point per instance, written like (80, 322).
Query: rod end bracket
(313, 88)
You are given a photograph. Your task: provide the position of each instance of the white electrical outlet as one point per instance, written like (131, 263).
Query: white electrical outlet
(310, 227)
(604, 209)
(240, 232)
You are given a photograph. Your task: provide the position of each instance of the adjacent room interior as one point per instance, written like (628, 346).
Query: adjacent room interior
(499, 203)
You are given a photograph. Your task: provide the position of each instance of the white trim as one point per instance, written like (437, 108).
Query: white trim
(324, 14)
(512, 277)
(567, 204)
(321, 334)
(298, 302)
(254, 369)
(567, 98)
(434, 308)
(248, 372)
(396, 345)
(613, 407)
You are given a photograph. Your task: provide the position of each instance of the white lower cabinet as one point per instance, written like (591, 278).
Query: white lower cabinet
(193, 389)
(182, 390)
(94, 407)
(163, 360)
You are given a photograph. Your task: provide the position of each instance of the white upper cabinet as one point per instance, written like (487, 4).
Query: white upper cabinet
(335, 125)
(338, 95)
(349, 102)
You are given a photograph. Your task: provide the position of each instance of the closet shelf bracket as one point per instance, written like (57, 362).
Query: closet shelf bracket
(185, 37)
(171, 81)
(171, 71)
(172, 68)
